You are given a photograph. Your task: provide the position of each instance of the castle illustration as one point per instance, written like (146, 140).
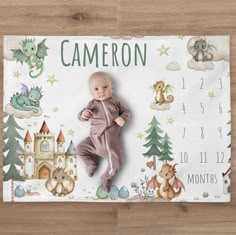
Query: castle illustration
(40, 157)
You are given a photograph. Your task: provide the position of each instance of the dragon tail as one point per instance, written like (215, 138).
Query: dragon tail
(169, 99)
(209, 58)
(36, 75)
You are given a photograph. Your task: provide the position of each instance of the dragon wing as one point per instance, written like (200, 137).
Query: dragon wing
(153, 87)
(168, 88)
(153, 183)
(178, 184)
(19, 56)
(211, 48)
(191, 50)
(24, 89)
(42, 50)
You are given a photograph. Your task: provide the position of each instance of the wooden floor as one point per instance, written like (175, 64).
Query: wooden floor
(121, 17)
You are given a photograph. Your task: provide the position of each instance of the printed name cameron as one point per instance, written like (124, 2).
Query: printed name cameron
(103, 54)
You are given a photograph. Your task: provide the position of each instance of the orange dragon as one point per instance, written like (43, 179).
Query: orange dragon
(166, 190)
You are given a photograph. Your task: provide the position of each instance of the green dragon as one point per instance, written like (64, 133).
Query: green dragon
(32, 54)
(27, 100)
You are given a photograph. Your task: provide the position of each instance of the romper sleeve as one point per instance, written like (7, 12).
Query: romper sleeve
(89, 106)
(125, 113)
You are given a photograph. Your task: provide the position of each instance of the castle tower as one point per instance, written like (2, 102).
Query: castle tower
(44, 143)
(59, 160)
(44, 148)
(28, 142)
(29, 157)
(60, 143)
(71, 161)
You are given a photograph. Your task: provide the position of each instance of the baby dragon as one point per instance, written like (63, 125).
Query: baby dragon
(201, 51)
(32, 54)
(166, 189)
(27, 100)
(159, 88)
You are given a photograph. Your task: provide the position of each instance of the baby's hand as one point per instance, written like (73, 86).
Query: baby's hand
(120, 121)
(87, 114)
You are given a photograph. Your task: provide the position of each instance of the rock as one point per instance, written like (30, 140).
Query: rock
(123, 192)
(101, 193)
(19, 191)
(114, 193)
(133, 185)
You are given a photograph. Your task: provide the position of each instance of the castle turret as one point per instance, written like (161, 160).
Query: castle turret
(61, 143)
(44, 129)
(28, 142)
(28, 157)
(44, 143)
(71, 161)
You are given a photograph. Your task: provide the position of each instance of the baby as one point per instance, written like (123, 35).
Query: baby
(107, 116)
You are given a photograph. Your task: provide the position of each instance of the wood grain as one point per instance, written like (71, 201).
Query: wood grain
(121, 17)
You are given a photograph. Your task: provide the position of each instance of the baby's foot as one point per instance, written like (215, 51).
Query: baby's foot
(91, 169)
(107, 184)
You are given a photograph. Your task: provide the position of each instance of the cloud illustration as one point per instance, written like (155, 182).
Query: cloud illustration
(173, 66)
(22, 114)
(221, 45)
(159, 107)
(200, 66)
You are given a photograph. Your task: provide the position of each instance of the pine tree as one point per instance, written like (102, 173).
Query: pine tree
(154, 141)
(166, 152)
(13, 147)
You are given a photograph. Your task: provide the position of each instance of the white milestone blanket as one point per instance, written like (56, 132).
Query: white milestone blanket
(176, 146)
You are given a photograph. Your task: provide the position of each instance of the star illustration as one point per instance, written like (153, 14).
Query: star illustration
(70, 132)
(51, 79)
(181, 37)
(170, 120)
(16, 74)
(211, 95)
(55, 109)
(139, 135)
(163, 50)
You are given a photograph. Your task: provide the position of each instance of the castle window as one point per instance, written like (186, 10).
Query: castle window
(60, 145)
(60, 160)
(29, 159)
(71, 160)
(44, 147)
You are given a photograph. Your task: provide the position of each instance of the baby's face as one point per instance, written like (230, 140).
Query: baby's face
(101, 87)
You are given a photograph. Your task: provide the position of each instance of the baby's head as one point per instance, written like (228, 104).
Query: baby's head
(100, 85)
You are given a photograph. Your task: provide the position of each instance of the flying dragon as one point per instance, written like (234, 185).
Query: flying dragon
(32, 54)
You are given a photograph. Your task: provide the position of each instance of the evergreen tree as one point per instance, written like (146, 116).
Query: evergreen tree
(166, 152)
(154, 141)
(12, 147)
